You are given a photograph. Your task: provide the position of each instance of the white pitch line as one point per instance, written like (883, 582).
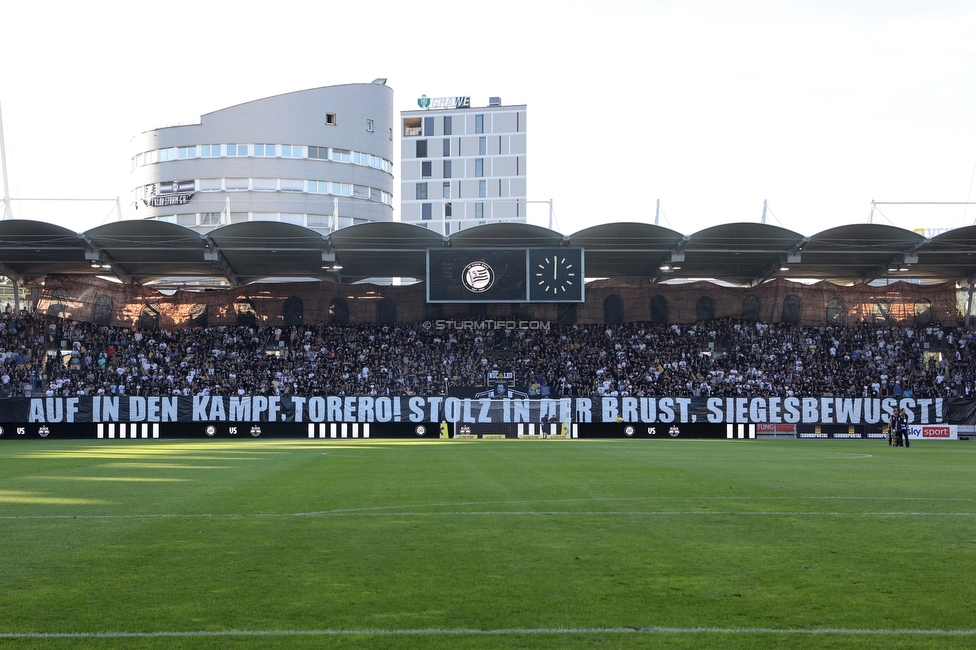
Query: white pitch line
(493, 632)
(513, 513)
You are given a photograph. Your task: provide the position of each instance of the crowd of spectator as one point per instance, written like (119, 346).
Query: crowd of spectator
(44, 356)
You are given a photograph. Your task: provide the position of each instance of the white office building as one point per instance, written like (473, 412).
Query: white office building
(320, 158)
(462, 166)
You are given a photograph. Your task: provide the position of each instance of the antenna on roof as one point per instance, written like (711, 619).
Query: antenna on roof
(657, 212)
(763, 220)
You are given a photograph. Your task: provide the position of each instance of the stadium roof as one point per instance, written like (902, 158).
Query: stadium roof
(744, 254)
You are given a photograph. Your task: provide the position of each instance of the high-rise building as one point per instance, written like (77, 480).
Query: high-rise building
(462, 166)
(321, 158)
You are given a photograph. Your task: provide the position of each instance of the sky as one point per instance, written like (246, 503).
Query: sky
(711, 107)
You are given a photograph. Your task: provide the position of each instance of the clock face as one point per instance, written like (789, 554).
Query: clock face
(556, 275)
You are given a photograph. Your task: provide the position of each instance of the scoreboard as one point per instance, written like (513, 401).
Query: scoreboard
(505, 275)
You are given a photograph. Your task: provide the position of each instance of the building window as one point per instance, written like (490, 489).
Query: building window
(340, 155)
(369, 125)
(479, 123)
(448, 209)
(210, 151)
(483, 188)
(425, 169)
(479, 166)
(321, 153)
(447, 169)
(447, 125)
(266, 150)
(291, 151)
(237, 150)
(209, 218)
(479, 210)
(188, 152)
(421, 148)
(428, 126)
(425, 211)
(330, 119)
(447, 189)
(421, 191)
(483, 146)
(411, 127)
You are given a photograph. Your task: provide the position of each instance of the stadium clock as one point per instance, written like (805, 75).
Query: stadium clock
(555, 275)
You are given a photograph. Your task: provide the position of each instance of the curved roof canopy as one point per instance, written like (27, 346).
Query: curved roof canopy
(744, 254)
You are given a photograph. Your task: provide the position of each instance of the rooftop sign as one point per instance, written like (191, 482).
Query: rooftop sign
(443, 102)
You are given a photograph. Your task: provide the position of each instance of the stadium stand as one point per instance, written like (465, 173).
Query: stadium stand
(41, 355)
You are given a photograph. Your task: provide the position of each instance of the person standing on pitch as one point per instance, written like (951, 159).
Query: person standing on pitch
(903, 426)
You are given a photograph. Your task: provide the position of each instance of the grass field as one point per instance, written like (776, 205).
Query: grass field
(507, 544)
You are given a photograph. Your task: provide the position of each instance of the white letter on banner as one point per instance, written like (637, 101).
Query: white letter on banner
(365, 409)
(810, 414)
(171, 409)
(872, 411)
(827, 410)
(55, 409)
(792, 407)
(452, 409)
(565, 409)
(349, 409)
(152, 409)
(584, 409)
(217, 413)
(468, 415)
(485, 414)
(923, 407)
(848, 410)
(610, 411)
(683, 403)
(757, 409)
(628, 409)
(714, 405)
(416, 406)
(71, 407)
(36, 411)
(200, 403)
(741, 410)
(274, 408)
(316, 409)
(666, 404)
(434, 404)
(240, 409)
(384, 409)
(648, 409)
(298, 403)
(774, 410)
(259, 405)
(335, 409)
(137, 409)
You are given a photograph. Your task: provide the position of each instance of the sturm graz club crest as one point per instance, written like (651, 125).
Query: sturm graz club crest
(424, 101)
(478, 277)
(211, 430)
(420, 430)
(629, 430)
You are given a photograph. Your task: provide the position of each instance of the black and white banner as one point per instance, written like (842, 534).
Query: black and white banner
(597, 409)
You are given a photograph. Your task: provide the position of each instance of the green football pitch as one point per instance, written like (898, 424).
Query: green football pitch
(491, 544)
